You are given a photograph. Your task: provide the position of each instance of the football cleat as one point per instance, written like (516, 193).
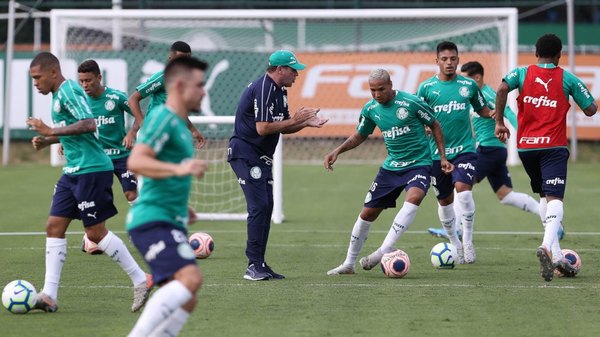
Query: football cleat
(141, 293)
(546, 266)
(273, 274)
(441, 233)
(370, 261)
(256, 273)
(45, 303)
(341, 270)
(469, 252)
(565, 268)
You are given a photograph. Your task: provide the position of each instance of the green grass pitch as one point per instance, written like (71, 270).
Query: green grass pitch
(501, 295)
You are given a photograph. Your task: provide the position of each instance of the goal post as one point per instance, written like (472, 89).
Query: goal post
(339, 47)
(218, 196)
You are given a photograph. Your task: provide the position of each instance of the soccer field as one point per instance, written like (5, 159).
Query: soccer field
(501, 295)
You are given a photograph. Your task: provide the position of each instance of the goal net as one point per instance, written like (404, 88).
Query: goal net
(339, 47)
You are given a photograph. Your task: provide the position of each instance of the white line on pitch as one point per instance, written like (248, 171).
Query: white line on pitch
(370, 285)
(319, 231)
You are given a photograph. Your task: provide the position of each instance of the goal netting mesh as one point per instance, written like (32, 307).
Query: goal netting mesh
(339, 47)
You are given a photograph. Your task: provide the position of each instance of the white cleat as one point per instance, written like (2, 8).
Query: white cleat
(341, 270)
(370, 261)
(141, 293)
(469, 252)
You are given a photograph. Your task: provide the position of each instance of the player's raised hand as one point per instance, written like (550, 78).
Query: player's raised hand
(330, 158)
(194, 167)
(447, 167)
(199, 139)
(39, 142)
(39, 126)
(502, 132)
(129, 140)
(191, 215)
(304, 114)
(317, 122)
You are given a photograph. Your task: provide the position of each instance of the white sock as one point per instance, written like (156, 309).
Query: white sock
(554, 215)
(447, 219)
(522, 201)
(172, 325)
(458, 214)
(114, 247)
(467, 204)
(360, 232)
(56, 254)
(165, 301)
(543, 207)
(402, 221)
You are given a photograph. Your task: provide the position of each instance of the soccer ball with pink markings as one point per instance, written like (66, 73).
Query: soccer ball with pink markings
(573, 259)
(395, 264)
(202, 244)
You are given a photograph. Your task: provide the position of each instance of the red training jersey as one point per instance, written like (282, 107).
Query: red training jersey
(543, 108)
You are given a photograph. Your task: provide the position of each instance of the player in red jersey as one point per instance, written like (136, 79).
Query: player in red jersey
(542, 137)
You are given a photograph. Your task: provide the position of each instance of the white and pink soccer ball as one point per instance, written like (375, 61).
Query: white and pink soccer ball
(202, 244)
(395, 264)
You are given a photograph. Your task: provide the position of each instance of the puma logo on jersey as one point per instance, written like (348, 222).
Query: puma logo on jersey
(437, 92)
(377, 116)
(545, 84)
(92, 215)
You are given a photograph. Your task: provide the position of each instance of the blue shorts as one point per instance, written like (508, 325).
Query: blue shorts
(126, 178)
(389, 184)
(547, 170)
(464, 172)
(164, 247)
(86, 196)
(491, 164)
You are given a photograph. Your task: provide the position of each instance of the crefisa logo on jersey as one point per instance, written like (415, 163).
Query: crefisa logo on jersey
(401, 113)
(464, 91)
(109, 105)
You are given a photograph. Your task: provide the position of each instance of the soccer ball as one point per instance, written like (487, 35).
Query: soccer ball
(442, 255)
(89, 246)
(395, 264)
(202, 244)
(573, 258)
(18, 296)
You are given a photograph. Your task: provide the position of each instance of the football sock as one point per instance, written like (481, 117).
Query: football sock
(543, 208)
(554, 215)
(467, 204)
(357, 239)
(114, 247)
(56, 253)
(172, 325)
(160, 307)
(458, 213)
(402, 221)
(522, 201)
(447, 219)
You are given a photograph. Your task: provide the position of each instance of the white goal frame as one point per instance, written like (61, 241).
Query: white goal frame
(277, 215)
(117, 17)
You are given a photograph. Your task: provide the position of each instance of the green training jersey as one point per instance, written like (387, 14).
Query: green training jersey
(164, 199)
(83, 152)
(155, 88)
(485, 128)
(572, 85)
(451, 102)
(109, 111)
(401, 123)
